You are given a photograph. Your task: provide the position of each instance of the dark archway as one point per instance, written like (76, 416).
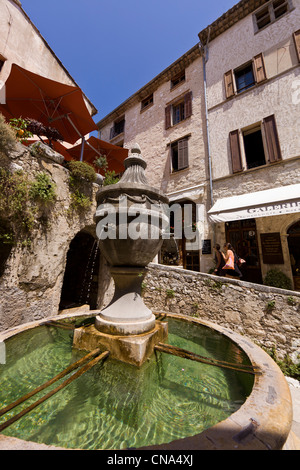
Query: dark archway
(80, 285)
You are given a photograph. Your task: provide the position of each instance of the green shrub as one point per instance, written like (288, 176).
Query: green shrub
(287, 366)
(82, 171)
(110, 178)
(43, 189)
(22, 204)
(7, 137)
(276, 278)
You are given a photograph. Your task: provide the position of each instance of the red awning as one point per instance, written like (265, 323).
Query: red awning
(54, 104)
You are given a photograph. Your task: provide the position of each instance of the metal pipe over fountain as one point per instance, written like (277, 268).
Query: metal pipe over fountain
(131, 217)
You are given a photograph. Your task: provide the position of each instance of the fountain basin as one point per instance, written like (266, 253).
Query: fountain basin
(262, 422)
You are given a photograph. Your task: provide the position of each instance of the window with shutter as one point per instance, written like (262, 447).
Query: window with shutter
(259, 68)
(229, 86)
(297, 43)
(183, 156)
(272, 139)
(188, 105)
(168, 116)
(235, 149)
(180, 155)
(178, 111)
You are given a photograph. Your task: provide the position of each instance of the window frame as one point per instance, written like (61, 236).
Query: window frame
(271, 9)
(177, 79)
(184, 105)
(114, 132)
(258, 72)
(147, 102)
(270, 140)
(184, 156)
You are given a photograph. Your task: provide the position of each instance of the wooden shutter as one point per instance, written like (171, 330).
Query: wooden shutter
(168, 116)
(297, 43)
(259, 68)
(188, 105)
(235, 148)
(183, 154)
(229, 86)
(272, 140)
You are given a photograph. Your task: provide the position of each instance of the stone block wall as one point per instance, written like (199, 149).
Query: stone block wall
(269, 316)
(30, 287)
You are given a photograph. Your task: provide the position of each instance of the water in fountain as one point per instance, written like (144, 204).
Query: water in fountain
(116, 405)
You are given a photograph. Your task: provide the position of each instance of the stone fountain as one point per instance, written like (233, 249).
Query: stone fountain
(131, 218)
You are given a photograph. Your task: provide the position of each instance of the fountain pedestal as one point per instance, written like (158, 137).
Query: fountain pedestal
(127, 314)
(135, 349)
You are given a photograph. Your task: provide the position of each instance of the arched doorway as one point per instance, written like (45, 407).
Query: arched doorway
(80, 285)
(294, 247)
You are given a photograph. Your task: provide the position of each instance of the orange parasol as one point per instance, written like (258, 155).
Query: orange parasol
(94, 147)
(54, 104)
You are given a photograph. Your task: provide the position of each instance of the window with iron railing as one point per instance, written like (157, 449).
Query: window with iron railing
(117, 129)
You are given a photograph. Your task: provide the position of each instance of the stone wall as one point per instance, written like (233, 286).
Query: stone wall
(268, 316)
(30, 287)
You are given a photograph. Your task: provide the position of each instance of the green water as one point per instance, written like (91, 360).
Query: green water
(118, 406)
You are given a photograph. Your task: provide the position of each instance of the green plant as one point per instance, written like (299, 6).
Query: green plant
(22, 204)
(80, 201)
(287, 366)
(276, 278)
(291, 301)
(20, 126)
(101, 162)
(271, 305)
(80, 174)
(43, 189)
(80, 171)
(7, 137)
(170, 293)
(110, 178)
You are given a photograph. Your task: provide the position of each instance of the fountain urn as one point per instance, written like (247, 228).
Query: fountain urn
(131, 218)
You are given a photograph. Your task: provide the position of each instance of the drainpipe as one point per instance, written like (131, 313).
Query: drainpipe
(205, 56)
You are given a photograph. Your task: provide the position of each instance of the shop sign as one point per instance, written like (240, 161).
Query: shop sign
(271, 248)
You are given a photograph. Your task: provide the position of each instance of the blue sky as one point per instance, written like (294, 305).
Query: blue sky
(112, 48)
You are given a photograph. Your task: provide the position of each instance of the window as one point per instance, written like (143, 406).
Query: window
(245, 77)
(254, 148)
(178, 79)
(118, 128)
(179, 155)
(271, 12)
(179, 111)
(147, 102)
(260, 144)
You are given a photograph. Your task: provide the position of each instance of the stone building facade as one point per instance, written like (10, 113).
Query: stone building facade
(165, 118)
(243, 137)
(253, 117)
